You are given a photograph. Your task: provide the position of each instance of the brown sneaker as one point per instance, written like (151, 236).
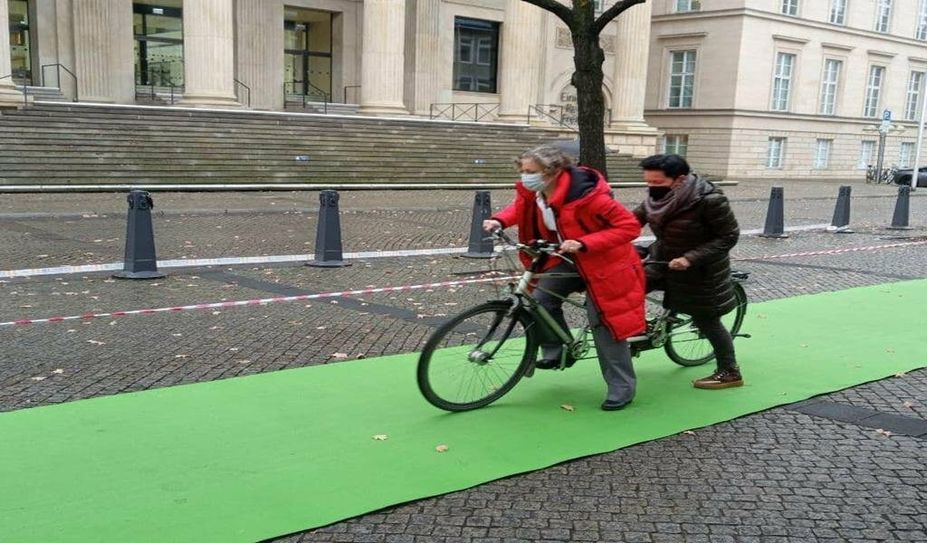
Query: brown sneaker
(726, 378)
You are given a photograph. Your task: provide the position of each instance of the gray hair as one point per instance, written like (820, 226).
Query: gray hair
(549, 157)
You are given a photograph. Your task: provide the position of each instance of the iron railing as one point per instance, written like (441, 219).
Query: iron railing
(58, 67)
(556, 114)
(476, 111)
(174, 92)
(306, 97)
(239, 84)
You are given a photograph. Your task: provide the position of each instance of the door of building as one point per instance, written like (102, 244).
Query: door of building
(307, 61)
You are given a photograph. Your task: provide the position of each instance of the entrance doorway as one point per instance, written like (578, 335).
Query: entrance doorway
(20, 42)
(158, 29)
(307, 56)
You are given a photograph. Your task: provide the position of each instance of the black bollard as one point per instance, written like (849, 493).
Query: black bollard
(902, 209)
(775, 215)
(480, 242)
(328, 233)
(841, 221)
(140, 261)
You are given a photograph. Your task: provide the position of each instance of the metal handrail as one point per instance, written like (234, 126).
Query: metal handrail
(58, 67)
(345, 95)
(479, 111)
(326, 98)
(152, 94)
(544, 111)
(25, 89)
(237, 82)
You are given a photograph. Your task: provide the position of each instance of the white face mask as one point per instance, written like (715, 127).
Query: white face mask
(533, 181)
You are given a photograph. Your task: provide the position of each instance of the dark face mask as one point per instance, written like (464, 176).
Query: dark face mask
(658, 193)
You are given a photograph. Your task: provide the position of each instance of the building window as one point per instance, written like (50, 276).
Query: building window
(921, 32)
(866, 150)
(682, 79)
(884, 16)
(676, 145)
(822, 154)
(790, 7)
(782, 82)
(873, 90)
(476, 55)
(913, 100)
(158, 33)
(838, 12)
(683, 6)
(906, 156)
(829, 83)
(775, 157)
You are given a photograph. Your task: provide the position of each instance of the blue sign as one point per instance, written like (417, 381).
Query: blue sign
(887, 115)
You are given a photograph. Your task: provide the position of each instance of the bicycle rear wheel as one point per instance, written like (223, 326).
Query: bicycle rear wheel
(476, 357)
(686, 346)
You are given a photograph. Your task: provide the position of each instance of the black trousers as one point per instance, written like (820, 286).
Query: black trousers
(711, 327)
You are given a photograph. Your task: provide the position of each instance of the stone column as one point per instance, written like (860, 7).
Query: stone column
(632, 46)
(93, 32)
(521, 60)
(9, 96)
(208, 53)
(259, 52)
(424, 82)
(383, 58)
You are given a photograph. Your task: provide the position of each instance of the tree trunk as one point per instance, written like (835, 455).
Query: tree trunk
(588, 79)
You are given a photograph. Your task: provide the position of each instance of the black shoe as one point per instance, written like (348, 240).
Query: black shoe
(553, 363)
(610, 405)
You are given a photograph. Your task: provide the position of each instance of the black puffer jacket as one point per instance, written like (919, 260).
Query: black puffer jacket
(702, 229)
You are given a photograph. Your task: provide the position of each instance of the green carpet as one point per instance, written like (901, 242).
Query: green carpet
(251, 458)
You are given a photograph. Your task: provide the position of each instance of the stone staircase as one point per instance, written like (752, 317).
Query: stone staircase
(43, 94)
(58, 144)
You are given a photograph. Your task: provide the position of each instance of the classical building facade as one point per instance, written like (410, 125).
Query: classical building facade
(499, 60)
(787, 88)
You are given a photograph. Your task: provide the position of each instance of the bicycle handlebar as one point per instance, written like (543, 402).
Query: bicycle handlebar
(534, 249)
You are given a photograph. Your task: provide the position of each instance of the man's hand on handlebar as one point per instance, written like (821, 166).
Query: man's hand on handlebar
(680, 264)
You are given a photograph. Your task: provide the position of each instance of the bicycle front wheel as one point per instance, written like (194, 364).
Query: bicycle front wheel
(686, 346)
(476, 357)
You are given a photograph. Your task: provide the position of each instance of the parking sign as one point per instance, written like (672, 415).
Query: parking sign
(887, 115)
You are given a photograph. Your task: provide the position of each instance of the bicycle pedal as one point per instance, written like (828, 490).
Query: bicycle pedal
(748, 336)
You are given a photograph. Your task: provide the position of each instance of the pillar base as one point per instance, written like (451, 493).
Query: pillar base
(209, 100)
(10, 97)
(384, 111)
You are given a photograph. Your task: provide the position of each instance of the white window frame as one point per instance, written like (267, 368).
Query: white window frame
(686, 6)
(920, 31)
(676, 144)
(782, 81)
(866, 153)
(838, 12)
(873, 90)
(906, 154)
(822, 150)
(775, 153)
(912, 101)
(789, 7)
(685, 78)
(830, 86)
(883, 22)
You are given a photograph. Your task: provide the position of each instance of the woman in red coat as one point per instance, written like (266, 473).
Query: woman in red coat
(557, 201)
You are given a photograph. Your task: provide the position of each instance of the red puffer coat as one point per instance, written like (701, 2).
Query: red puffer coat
(608, 263)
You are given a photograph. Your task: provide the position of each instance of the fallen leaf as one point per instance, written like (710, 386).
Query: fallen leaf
(95, 342)
(900, 374)
(339, 355)
(441, 448)
(909, 405)
(380, 437)
(689, 433)
(38, 378)
(58, 371)
(885, 433)
(567, 407)
(181, 356)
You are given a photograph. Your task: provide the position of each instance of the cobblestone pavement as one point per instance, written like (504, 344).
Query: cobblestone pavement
(780, 476)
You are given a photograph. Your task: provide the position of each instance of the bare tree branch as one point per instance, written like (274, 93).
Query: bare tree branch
(617, 9)
(558, 9)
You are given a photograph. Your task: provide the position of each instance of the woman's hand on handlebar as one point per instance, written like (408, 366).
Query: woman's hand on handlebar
(491, 225)
(571, 246)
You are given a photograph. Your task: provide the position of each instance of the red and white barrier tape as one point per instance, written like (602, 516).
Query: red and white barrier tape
(361, 292)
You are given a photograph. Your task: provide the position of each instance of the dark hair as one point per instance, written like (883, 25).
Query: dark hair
(671, 165)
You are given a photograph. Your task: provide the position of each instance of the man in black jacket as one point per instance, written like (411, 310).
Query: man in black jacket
(695, 230)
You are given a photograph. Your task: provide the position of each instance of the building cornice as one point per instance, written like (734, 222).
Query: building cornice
(683, 35)
(791, 39)
(797, 21)
(877, 53)
(758, 113)
(837, 46)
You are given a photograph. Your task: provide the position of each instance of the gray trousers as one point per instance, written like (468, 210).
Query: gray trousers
(614, 355)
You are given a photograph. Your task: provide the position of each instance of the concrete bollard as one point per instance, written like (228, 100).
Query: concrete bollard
(841, 221)
(140, 260)
(902, 209)
(328, 233)
(775, 215)
(480, 243)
